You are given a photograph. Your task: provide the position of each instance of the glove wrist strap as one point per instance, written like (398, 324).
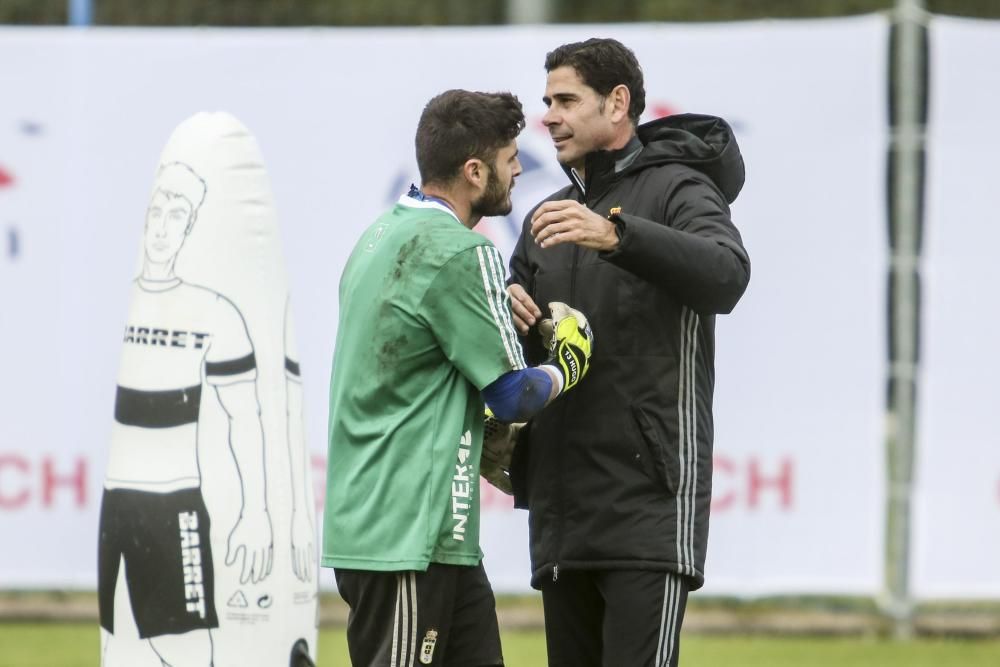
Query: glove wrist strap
(558, 375)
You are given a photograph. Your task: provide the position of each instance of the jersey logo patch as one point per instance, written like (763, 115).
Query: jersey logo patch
(376, 237)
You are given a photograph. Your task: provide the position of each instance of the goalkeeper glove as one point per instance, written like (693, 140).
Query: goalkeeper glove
(498, 448)
(570, 342)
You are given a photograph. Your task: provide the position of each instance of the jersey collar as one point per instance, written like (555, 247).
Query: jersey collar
(417, 199)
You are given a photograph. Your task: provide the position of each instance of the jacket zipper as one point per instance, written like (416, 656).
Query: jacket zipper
(572, 300)
(572, 276)
(576, 251)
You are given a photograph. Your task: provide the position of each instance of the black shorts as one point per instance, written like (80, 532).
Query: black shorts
(445, 616)
(165, 541)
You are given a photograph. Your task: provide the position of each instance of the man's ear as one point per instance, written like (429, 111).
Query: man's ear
(191, 221)
(619, 99)
(475, 173)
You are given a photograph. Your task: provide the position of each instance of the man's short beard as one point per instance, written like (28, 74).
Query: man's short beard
(494, 201)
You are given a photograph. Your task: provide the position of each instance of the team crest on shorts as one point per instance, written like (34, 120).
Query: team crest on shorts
(427, 648)
(614, 211)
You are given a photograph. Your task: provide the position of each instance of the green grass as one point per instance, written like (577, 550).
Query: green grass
(76, 645)
(823, 652)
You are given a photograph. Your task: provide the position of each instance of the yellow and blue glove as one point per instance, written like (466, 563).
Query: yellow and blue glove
(570, 342)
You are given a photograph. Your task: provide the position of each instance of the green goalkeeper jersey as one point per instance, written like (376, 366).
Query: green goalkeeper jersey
(424, 325)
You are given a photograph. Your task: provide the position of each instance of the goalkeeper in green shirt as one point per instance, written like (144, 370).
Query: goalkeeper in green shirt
(425, 342)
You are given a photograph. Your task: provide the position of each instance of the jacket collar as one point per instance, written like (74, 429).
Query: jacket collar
(602, 167)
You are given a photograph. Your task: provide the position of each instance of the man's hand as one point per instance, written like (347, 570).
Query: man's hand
(526, 312)
(570, 342)
(567, 221)
(499, 440)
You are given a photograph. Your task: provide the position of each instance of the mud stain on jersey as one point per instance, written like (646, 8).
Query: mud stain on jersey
(406, 256)
(389, 351)
(391, 345)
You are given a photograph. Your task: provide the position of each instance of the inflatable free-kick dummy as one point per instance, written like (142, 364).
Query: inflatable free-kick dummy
(207, 533)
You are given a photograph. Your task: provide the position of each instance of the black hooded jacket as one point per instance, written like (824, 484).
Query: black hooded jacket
(617, 474)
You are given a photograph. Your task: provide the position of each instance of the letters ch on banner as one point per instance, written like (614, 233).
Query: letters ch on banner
(753, 484)
(45, 482)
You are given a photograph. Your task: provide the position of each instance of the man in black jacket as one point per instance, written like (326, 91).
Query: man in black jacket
(617, 476)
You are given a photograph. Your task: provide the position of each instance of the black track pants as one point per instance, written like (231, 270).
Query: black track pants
(614, 618)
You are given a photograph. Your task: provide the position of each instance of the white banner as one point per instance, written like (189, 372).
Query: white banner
(800, 363)
(797, 502)
(957, 527)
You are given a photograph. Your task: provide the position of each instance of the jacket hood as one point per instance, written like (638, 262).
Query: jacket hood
(704, 143)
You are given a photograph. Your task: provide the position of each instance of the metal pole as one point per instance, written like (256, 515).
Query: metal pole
(530, 11)
(80, 12)
(908, 77)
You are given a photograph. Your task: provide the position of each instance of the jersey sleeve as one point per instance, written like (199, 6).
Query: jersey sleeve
(468, 310)
(230, 358)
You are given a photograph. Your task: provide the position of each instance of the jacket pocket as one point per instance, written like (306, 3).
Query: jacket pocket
(662, 459)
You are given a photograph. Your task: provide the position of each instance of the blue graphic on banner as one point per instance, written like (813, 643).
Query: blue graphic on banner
(31, 128)
(13, 244)
(10, 234)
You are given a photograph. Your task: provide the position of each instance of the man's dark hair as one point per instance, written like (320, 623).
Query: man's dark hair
(458, 125)
(603, 64)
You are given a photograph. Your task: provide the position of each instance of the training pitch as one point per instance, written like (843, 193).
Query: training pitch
(77, 645)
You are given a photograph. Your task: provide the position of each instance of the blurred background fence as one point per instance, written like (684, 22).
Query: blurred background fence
(452, 12)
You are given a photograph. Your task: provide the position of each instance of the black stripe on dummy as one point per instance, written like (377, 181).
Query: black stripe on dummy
(232, 367)
(292, 367)
(157, 409)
